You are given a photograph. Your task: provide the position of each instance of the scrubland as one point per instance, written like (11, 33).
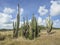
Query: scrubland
(44, 39)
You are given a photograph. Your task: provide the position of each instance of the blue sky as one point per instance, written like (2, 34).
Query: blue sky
(40, 8)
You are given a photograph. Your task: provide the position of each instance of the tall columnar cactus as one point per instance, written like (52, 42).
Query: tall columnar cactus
(36, 31)
(16, 25)
(24, 21)
(34, 27)
(27, 27)
(14, 28)
(49, 24)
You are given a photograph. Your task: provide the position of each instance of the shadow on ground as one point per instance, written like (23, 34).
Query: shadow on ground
(52, 32)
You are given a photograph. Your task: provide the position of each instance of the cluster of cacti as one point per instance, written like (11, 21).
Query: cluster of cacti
(30, 30)
(26, 28)
(16, 24)
(49, 24)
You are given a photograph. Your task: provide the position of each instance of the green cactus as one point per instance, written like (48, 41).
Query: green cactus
(34, 27)
(26, 28)
(49, 24)
(16, 25)
(36, 31)
(18, 21)
(14, 29)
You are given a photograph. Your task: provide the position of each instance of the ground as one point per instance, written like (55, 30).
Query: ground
(44, 39)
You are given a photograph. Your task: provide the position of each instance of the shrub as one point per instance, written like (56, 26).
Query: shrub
(2, 37)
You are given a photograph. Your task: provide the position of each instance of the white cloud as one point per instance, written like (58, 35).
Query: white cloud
(42, 10)
(6, 18)
(6, 26)
(21, 11)
(8, 10)
(41, 21)
(44, 22)
(55, 8)
(56, 23)
(30, 20)
(21, 24)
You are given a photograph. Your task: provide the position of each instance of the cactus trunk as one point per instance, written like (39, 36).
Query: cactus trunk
(49, 24)
(16, 25)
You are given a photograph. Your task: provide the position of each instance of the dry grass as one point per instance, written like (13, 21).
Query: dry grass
(44, 39)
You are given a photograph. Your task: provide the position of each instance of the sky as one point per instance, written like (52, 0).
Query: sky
(40, 8)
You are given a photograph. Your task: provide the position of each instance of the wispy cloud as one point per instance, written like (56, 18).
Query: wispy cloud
(41, 21)
(8, 10)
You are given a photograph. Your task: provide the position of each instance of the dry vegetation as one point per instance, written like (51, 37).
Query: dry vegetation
(44, 39)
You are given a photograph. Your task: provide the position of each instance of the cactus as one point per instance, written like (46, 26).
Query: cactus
(36, 31)
(23, 27)
(49, 24)
(34, 27)
(26, 28)
(14, 29)
(16, 25)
